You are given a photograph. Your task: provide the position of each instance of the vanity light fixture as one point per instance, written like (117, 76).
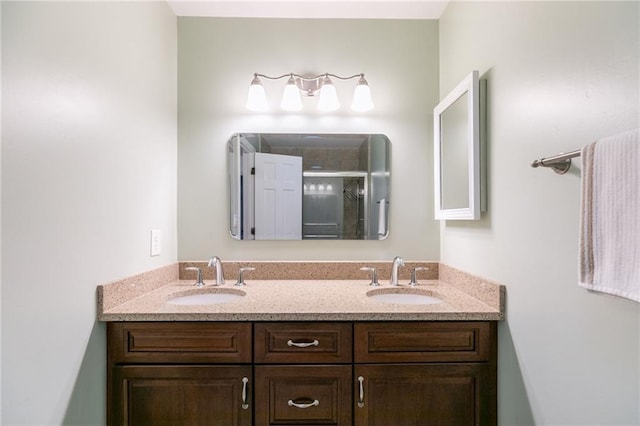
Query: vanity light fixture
(320, 86)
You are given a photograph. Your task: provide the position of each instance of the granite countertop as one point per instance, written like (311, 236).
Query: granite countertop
(307, 300)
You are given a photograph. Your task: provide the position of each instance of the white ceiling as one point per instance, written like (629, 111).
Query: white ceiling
(358, 9)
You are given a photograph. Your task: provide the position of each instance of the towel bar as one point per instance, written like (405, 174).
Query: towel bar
(560, 163)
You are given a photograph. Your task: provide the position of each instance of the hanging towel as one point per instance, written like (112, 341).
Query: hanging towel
(610, 216)
(382, 217)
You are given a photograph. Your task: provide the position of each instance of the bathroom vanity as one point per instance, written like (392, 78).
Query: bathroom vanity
(340, 359)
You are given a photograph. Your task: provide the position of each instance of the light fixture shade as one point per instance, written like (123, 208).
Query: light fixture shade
(362, 97)
(291, 97)
(256, 99)
(328, 96)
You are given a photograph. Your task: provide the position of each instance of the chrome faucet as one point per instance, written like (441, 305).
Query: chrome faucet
(397, 262)
(215, 262)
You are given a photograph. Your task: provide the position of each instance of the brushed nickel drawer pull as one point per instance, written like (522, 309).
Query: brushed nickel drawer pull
(309, 405)
(303, 344)
(361, 401)
(244, 393)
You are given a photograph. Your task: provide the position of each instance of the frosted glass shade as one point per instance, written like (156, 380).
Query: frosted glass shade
(291, 97)
(328, 97)
(256, 99)
(362, 97)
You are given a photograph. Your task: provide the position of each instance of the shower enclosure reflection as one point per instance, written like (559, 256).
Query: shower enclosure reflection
(308, 186)
(333, 205)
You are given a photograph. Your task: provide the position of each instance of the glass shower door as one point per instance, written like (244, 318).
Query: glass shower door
(333, 205)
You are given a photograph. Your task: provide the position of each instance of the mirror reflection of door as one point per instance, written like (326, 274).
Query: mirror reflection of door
(247, 200)
(278, 197)
(454, 163)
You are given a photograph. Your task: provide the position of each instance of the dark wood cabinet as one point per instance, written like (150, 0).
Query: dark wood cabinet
(181, 395)
(179, 373)
(302, 373)
(416, 374)
(423, 394)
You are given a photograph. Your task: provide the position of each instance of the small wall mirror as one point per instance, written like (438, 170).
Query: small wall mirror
(457, 152)
(286, 186)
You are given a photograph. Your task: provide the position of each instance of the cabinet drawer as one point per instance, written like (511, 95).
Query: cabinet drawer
(424, 342)
(303, 395)
(300, 343)
(179, 342)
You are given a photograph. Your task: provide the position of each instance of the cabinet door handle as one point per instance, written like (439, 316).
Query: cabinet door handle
(292, 403)
(244, 393)
(361, 386)
(303, 344)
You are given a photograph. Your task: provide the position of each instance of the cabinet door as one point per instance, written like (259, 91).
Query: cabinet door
(303, 395)
(424, 395)
(181, 395)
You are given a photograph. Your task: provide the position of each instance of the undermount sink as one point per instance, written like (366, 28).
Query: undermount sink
(403, 296)
(208, 297)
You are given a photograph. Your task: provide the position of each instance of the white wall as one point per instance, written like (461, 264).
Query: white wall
(560, 75)
(88, 168)
(0, 219)
(216, 62)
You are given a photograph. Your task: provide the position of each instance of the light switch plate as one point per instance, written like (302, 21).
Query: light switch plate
(155, 242)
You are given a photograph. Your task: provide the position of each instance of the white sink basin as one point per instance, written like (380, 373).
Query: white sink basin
(403, 296)
(211, 297)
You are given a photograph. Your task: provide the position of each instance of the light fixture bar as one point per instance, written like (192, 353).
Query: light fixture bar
(319, 85)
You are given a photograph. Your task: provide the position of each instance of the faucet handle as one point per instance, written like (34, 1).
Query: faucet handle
(374, 275)
(199, 282)
(413, 281)
(240, 281)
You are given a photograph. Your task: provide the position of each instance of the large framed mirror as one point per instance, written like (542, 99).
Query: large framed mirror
(286, 186)
(458, 189)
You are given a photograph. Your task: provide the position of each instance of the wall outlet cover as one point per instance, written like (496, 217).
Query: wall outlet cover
(155, 242)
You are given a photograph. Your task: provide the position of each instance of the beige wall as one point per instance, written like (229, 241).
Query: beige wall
(88, 168)
(559, 76)
(217, 59)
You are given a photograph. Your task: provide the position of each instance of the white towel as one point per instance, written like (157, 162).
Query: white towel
(382, 217)
(610, 216)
